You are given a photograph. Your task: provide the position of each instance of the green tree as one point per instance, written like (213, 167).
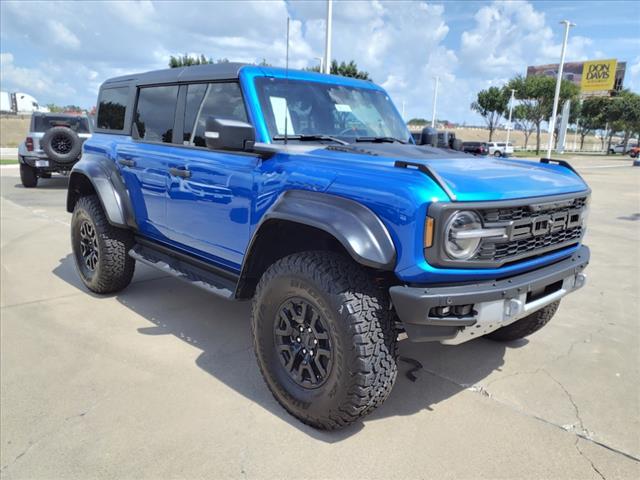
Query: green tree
(537, 92)
(591, 116)
(629, 111)
(491, 104)
(523, 118)
(188, 60)
(417, 122)
(53, 108)
(345, 70)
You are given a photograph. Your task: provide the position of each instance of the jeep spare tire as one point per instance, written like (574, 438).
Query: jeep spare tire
(61, 144)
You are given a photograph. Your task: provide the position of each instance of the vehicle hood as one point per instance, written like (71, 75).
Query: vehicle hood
(468, 177)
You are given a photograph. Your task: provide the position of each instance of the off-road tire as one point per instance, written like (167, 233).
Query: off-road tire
(114, 268)
(525, 326)
(360, 325)
(28, 176)
(61, 144)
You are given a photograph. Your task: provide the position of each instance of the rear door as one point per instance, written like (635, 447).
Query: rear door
(144, 159)
(210, 192)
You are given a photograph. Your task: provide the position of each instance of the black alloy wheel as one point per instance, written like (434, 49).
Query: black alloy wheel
(61, 144)
(303, 343)
(89, 245)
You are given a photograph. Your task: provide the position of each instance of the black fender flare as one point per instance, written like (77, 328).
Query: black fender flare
(356, 227)
(107, 182)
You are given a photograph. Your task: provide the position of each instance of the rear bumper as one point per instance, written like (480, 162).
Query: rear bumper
(484, 307)
(51, 165)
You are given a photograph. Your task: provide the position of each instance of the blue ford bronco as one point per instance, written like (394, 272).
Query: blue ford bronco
(306, 193)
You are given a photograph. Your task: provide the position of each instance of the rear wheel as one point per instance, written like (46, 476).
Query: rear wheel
(497, 154)
(100, 250)
(28, 176)
(525, 326)
(324, 338)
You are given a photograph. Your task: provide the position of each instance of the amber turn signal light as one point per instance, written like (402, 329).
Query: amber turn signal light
(428, 232)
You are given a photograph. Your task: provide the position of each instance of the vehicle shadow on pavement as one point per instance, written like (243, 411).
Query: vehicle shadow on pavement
(220, 330)
(53, 183)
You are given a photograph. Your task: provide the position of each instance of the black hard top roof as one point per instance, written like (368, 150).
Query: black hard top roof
(214, 71)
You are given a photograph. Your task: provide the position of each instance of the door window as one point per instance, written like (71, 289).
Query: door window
(222, 100)
(112, 108)
(155, 113)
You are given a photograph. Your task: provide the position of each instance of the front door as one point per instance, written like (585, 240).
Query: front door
(210, 192)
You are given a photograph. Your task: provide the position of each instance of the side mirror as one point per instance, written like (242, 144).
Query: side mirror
(225, 134)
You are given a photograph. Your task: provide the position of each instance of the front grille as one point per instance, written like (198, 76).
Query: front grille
(518, 213)
(504, 251)
(564, 229)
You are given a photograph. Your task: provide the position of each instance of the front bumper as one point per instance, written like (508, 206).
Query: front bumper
(484, 307)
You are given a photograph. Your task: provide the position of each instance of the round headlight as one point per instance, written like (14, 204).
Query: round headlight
(460, 243)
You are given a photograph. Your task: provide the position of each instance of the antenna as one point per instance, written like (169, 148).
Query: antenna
(286, 107)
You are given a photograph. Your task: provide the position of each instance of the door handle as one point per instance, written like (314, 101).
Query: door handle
(127, 163)
(180, 172)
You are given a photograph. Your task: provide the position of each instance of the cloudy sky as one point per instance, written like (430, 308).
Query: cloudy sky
(60, 52)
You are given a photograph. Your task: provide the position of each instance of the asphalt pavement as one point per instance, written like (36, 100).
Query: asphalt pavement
(159, 381)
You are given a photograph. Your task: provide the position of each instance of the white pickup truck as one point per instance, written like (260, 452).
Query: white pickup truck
(500, 149)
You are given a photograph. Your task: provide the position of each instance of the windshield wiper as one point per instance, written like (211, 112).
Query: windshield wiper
(379, 139)
(310, 138)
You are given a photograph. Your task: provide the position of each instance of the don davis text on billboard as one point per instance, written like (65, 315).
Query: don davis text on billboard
(598, 75)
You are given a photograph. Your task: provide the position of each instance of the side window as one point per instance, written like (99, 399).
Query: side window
(112, 108)
(222, 100)
(155, 113)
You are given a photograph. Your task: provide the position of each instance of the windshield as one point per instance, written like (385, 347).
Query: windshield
(314, 108)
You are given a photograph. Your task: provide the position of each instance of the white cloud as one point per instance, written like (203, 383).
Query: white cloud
(508, 36)
(401, 44)
(61, 35)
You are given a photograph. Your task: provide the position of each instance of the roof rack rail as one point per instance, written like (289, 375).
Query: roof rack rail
(429, 172)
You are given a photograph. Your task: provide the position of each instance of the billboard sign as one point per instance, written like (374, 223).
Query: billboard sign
(598, 75)
(595, 77)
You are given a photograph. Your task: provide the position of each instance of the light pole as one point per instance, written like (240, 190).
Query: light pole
(435, 100)
(556, 98)
(327, 40)
(403, 109)
(510, 112)
(321, 63)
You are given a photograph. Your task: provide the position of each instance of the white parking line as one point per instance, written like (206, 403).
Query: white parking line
(606, 166)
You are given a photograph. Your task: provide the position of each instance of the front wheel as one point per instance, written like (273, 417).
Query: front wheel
(100, 250)
(525, 326)
(497, 154)
(324, 338)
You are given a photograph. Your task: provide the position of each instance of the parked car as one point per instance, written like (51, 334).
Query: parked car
(500, 149)
(621, 148)
(303, 192)
(476, 148)
(53, 144)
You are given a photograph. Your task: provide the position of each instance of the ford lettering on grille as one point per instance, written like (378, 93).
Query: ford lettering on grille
(543, 224)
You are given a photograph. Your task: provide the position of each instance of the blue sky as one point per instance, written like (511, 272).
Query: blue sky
(61, 51)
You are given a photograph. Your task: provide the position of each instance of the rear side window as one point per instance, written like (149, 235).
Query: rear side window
(155, 113)
(77, 124)
(112, 108)
(222, 100)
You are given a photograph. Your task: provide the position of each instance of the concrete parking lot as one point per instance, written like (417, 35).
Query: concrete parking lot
(159, 381)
